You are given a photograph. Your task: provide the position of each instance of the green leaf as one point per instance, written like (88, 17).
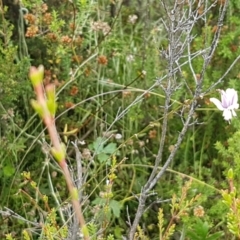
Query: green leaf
(118, 231)
(110, 148)
(8, 170)
(116, 207)
(199, 230)
(215, 236)
(98, 145)
(110, 237)
(102, 157)
(99, 201)
(193, 236)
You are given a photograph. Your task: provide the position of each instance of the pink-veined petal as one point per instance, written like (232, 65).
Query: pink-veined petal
(235, 98)
(217, 103)
(232, 96)
(224, 99)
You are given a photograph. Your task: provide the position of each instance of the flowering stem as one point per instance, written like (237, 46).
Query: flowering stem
(46, 109)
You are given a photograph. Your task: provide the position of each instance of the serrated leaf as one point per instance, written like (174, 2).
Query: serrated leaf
(201, 228)
(110, 148)
(116, 207)
(102, 157)
(99, 201)
(98, 145)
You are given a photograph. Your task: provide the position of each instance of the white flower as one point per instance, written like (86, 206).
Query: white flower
(132, 18)
(229, 102)
(118, 136)
(130, 58)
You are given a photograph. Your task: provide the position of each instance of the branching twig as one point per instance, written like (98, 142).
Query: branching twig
(178, 26)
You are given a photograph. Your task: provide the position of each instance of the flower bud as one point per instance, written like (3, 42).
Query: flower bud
(230, 174)
(36, 75)
(37, 107)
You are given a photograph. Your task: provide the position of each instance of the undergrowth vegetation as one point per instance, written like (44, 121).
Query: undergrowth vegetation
(149, 155)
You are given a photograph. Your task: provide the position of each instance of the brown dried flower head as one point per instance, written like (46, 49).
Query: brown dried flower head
(102, 60)
(74, 91)
(152, 134)
(47, 18)
(69, 105)
(66, 39)
(44, 7)
(52, 37)
(32, 31)
(198, 211)
(30, 18)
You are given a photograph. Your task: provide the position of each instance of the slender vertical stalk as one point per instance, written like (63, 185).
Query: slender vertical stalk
(46, 107)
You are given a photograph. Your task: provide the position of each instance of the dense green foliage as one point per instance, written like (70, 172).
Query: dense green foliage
(103, 58)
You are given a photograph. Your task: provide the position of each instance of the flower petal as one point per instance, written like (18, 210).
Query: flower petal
(217, 103)
(227, 114)
(235, 98)
(234, 106)
(224, 99)
(232, 96)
